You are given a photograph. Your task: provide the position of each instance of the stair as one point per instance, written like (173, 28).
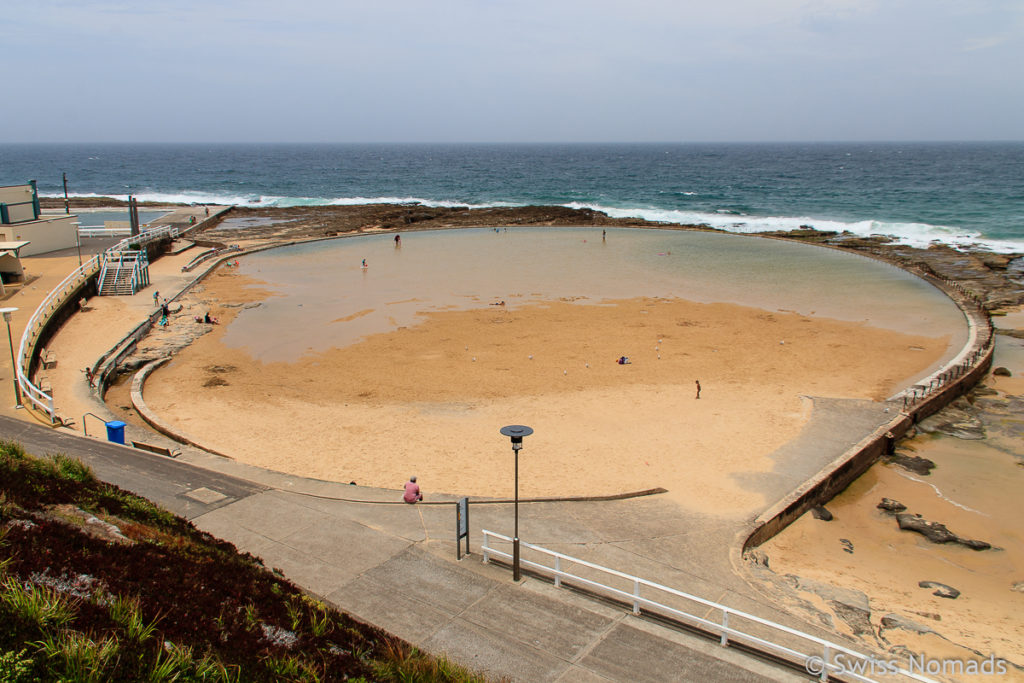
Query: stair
(123, 273)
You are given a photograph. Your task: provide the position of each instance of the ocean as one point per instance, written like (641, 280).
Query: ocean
(954, 193)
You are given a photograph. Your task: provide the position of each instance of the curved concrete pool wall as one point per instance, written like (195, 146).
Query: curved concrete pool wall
(952, 381)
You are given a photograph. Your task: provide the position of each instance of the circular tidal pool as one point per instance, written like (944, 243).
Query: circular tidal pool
(323, 297)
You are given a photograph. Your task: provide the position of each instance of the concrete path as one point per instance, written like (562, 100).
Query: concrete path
(394, 565)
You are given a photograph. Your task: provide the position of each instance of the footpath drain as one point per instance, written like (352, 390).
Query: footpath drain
(205, 495)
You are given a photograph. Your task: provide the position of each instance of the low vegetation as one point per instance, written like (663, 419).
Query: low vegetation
(97, 584)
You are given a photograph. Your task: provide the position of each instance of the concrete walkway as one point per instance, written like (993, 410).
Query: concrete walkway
(394, 565)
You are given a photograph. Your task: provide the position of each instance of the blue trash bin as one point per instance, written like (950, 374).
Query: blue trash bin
(115, 431)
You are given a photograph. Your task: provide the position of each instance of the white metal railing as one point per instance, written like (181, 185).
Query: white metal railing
(72, 283)
(817, 655)
(103, 232)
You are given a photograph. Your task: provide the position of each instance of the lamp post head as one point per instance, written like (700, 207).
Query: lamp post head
(7, 312)
(516, 434)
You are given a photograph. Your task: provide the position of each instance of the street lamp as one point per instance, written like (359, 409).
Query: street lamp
(14, 368)
(516, 434)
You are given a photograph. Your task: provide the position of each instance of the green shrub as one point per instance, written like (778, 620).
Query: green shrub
(40, 606)
(15, 667)
(74, 656)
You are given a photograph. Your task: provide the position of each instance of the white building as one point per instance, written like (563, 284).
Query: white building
(20, 221)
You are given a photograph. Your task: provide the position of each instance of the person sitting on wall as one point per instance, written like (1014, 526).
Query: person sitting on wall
(412, 491)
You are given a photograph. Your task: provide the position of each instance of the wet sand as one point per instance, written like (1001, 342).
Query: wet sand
(428, 399)
(975, 490)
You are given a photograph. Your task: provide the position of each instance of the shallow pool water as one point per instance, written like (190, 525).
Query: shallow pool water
(324, 297)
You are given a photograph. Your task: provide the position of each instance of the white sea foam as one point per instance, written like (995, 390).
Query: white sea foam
(913, 234)
(941, 495)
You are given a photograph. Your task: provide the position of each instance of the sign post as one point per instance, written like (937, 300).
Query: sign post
(461, 526)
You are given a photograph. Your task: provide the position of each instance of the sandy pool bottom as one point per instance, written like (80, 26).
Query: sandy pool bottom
(428, 399)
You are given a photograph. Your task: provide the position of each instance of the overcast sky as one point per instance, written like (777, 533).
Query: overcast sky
(511, 70)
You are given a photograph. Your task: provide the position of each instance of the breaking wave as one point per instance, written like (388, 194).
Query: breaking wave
(911, 234)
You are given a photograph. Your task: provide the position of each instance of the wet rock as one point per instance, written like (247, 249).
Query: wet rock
(941, 589)
(757, 557)
(821, 513)
(994, 261)
(849, 605)
(890, 505)
(982, 390)
(845, 596)
(955, 422)
(974, 544)
(858, 620)
(962, 403)
(1002, 372)
(929, 615)
(935, 531)
(891, 621)
(912, 463)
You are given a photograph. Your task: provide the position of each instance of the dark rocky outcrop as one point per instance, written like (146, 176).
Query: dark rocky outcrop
(891, 621)
(959, 420)
(912, 463)
(820, 512)
(890, 505)
(1002, 372)
(757, 557)
(941, 589)
(851, 606)
(935, 531)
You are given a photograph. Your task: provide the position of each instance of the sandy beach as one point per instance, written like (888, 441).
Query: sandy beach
(428, 399)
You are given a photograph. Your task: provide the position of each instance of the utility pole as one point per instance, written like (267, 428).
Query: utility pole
(67, 207)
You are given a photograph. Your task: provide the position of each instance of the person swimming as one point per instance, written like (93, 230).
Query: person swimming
(364, 263)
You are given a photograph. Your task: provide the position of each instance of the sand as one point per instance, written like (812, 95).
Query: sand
(429, 399)
(975, 491)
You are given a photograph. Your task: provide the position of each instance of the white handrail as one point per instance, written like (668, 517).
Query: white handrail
(822, 664)
(52, 301)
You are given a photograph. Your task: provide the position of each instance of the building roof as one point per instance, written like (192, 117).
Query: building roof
(14, 247)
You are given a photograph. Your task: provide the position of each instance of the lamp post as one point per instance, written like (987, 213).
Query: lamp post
(14, 368)
(516, 434)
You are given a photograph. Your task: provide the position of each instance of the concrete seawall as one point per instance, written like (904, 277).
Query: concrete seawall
(954, 380)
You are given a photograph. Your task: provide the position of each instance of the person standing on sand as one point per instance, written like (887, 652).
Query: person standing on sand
(412, 492)
(698, 387)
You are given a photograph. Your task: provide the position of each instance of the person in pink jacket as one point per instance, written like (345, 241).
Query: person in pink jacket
(412, 491)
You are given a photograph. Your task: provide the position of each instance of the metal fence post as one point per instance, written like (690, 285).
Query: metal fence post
(636, 595)
(558, 568)
(725, 625)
